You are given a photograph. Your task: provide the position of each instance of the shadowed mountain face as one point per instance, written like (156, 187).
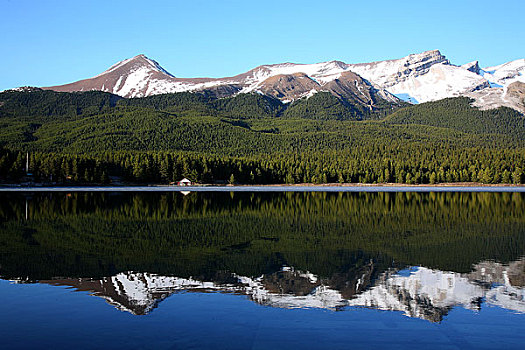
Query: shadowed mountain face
(286, 250)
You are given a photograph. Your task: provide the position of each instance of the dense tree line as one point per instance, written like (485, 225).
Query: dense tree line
(371, 164)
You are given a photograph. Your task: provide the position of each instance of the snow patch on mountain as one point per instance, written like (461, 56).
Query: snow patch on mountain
(136, 81)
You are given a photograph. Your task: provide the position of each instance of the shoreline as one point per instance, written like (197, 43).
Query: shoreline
(358, 187)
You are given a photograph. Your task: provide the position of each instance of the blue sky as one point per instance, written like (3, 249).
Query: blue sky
(54, 42)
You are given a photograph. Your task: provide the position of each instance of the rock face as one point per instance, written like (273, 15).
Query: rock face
(516, 95)
(416, 78)
(289, 87)
(512, 96)
(472, 67)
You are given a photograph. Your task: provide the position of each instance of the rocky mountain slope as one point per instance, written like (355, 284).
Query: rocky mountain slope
(416, 78)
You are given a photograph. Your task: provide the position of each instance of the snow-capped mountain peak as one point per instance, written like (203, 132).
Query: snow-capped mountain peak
(139, 61)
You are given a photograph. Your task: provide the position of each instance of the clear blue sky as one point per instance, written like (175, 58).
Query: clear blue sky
(49, 42)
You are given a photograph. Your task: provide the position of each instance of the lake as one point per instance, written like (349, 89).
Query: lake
(260, 270)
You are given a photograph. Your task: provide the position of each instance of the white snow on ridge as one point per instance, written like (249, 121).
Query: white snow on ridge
(134, 82)
(156, 65)
(115, 67)
(423, 77)
(116, 87)
(322, 73)
(441, 81)
(163, 87)
(381, 72)
(310, 93)
(506, 73)
(470, 65)
(139, 83)
(153, 65)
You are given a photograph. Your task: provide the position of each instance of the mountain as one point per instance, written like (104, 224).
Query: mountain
(429, 76)
(133, 77)
(423, 77)
(288, 82)
(416, 78)
(140, 76)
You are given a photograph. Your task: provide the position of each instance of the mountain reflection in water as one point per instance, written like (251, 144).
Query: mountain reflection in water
(423, 293)
(419, 253)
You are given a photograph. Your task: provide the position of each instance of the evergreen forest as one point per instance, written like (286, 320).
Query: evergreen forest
(99, 138)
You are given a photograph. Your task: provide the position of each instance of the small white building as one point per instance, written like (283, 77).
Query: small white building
(184, 182)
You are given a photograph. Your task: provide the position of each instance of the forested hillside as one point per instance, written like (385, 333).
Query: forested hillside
(456, 113)
(92, 137)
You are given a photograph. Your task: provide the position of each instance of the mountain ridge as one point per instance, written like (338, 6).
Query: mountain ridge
(420, 77)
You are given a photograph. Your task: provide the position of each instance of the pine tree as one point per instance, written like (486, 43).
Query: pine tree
(517, 176)
(505, 177)
(433, 178)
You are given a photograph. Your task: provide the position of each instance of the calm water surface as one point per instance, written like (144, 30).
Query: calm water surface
(256, 270)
